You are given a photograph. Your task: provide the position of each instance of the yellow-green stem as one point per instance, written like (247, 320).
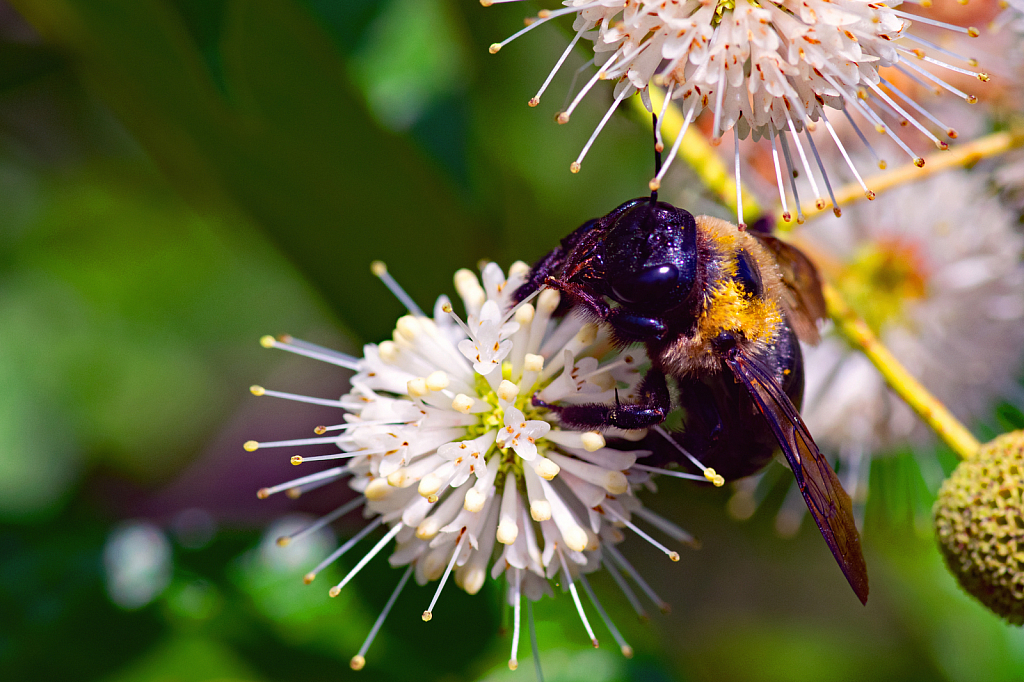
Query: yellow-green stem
(933, 412)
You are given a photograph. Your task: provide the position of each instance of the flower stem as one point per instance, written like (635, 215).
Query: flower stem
(927, 406)
(700, 156)
(961, 155)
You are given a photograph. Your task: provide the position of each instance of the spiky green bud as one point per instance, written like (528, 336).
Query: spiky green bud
(979, 523)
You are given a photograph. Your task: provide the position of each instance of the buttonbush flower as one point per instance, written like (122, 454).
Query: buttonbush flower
(765, 69)
(935, 270)
(442, 441)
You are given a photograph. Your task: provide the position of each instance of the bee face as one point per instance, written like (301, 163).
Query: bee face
(712, 307)
(650, 251)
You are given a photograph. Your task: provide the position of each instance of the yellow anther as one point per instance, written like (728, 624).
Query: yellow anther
(257, 390)
(378, 268)
(251, 446)
(268, 341)
(358, 662)
(296, 460)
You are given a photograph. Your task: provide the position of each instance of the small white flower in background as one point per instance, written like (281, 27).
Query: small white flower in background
(767, 68)
(137, 563)
(1012, 16)
(443, 442)
(935, 269)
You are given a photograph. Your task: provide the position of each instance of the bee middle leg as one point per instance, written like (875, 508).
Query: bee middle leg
(651, 408)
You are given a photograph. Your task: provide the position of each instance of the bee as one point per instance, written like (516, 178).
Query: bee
(720, 311)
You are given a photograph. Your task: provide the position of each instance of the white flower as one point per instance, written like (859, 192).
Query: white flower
(769, 68)
(935, 269)
(443, 441)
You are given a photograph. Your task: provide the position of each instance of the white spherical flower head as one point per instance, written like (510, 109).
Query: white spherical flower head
(935, 270)
(449, 437)
(769, 68)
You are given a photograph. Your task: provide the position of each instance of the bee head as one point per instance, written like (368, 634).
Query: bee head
(651, 256)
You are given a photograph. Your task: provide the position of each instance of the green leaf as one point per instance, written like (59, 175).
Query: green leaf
(285, 137)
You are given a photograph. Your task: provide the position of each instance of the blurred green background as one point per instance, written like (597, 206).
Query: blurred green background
(178, 177)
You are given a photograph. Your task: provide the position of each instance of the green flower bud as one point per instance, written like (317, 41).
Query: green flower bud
(979, 522)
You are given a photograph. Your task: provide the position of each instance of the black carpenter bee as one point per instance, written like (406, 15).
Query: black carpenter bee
(719, 311)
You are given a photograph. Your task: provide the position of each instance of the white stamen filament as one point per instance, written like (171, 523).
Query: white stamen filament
(260, 391)
(564, 116)
(709, 473)
(379, 269)
(880, 162)
(345, 547)
(803, 159)
(674, 556)
(533, 642)
(631, 597)
(513, 661)
(668, 472)
(849, 162)
(778, 175)
(919, 109)
(429, 613)
(534, 24)
(902, 112)
(938, 81)
(824, 176)
(625, 648)
(359, 660)
(286, 540)
(311, 351)
(336, 590)
(616, 555)
(739, 184)
(665, 526)
(658, 142)
(792, 175)
(252, 445)
(969, 30)
(576, 598)
(656, 182)
(558, 65)
(264, 493)
(575, 167)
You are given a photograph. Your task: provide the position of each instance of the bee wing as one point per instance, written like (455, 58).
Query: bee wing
(828, 502)
(801, 295)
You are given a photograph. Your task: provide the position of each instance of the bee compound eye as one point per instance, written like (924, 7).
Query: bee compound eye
(650, 285)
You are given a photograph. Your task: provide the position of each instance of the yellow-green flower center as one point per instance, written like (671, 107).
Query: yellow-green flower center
(490, 420)
(883, 280)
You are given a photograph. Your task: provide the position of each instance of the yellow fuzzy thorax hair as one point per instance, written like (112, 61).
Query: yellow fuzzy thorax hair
(727, 306)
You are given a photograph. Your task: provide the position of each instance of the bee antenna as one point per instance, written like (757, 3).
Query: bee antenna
(657, 157)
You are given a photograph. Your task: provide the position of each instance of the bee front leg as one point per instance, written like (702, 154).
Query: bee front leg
(652, 407)
(627, 327)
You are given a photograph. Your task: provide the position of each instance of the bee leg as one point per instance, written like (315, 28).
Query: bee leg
(540, 272)
(628, 327)
(554, 260)
(652, 407)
